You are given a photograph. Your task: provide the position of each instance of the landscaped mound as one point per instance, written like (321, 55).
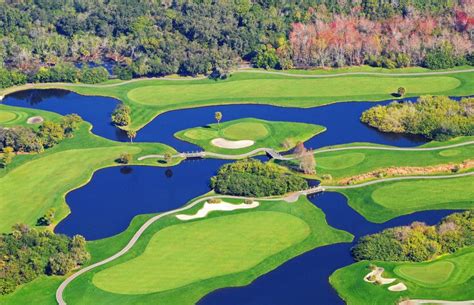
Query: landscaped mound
(437, 118)
(254, 178)
(418, 242)
(247, 134)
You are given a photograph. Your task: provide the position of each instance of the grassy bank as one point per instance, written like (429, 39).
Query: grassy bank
(447, 278)
(256, 250)
(384, 201)
(34, 183)
(277, 135)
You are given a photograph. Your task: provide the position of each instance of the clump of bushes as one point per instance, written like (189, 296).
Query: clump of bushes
(255, 179)
(418, 242)
(438, 118)
(27, 253)
(25, 139)
(124, 158)
(121, 115)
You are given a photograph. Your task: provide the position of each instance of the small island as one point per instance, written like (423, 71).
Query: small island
(244, 135)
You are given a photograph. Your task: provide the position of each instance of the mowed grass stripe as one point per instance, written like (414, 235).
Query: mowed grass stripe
(286, 88)
(208, 248)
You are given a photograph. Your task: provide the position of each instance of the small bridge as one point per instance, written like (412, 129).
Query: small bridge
(197, 154)
(313, 190)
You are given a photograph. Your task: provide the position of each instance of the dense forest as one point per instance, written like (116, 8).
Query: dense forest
(418, 242)
(256, 179)
(27, 253)
(435, 117)
(150, 37)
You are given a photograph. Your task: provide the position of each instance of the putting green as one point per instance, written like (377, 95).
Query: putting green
(207, 248)
(246, 131)
(423, 193)
(429, 274)
(340, 161)
(10, 117)
(449, 152)
(287, 88)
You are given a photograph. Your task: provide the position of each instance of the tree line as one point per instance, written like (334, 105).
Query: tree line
(435, 117)
(418, 241)
(27, 253)
(189, 37)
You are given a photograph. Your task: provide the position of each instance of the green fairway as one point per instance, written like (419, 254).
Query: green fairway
(450, 277)
(384, 201)
(7, 116)
(150, 97)
(342, 161)
(209, 248)
(343, 164)
(34, 183)
(287, 88)
(277, 135)
(38, 292)
(222, 250)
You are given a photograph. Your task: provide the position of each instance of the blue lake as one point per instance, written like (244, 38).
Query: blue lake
(105, 206)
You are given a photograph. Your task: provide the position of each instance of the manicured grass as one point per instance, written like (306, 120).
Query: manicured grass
(448, 278)
(286, 88)
(347, 163)
(148, 98)
(16, 116)
(384, 201)
(427, 275)
(234, 248)
(265, 134)
(34, 183)
(41, 291)
(209, 248)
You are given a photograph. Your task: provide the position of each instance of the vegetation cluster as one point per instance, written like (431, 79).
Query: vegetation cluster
(438, 118)
(253, 178)
(27, 253)
(154, 38)
(26, 139)
(418, 242)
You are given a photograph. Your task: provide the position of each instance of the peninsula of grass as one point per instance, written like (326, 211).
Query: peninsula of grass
(151, 97)
(34, 183)
(280, 136)
(384, 201)
(224, 249)
(351, 161)
(450, 277)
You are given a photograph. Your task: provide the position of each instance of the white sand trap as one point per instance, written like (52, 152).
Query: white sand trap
(222, 206)
(377, 273)
(223, 143)
(35, 120)
(398, 287)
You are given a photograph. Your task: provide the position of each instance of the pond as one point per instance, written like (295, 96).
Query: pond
(105, 206)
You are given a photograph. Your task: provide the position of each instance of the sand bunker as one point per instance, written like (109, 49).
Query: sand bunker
(223, 143)
(222, 206)
(376, 276)
(398, 287)
(35, 120)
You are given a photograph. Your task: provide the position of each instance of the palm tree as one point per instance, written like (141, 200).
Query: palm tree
(218, 117)
(131, 134)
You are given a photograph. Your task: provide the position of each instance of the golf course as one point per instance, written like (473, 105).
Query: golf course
(100, 179)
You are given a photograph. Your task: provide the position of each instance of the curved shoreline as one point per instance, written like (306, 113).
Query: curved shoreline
(289, 198)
